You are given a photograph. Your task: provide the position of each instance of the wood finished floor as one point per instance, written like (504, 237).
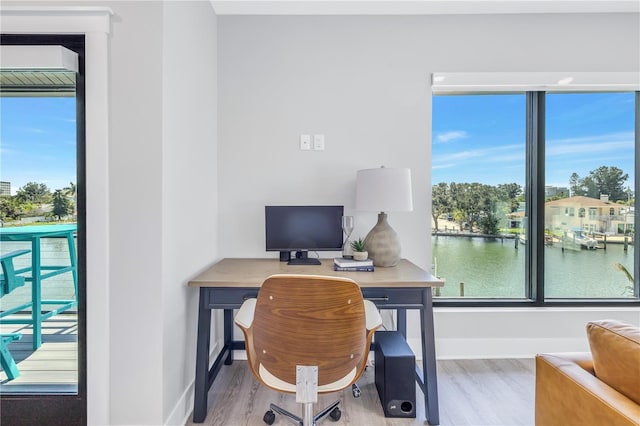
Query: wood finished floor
(471, 392)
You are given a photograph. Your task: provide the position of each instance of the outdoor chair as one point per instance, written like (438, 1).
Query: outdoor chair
(9, 281)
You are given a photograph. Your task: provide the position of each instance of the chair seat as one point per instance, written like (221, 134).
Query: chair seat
(283, 386)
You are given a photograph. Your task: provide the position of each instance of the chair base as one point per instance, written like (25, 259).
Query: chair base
(333, 411)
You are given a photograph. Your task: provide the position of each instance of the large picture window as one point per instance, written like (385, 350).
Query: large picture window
(478, 194)
(533, 197)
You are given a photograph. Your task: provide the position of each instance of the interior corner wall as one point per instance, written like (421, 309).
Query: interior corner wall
(189, 190)
(364, 82)
(135, 213)
(163, 197)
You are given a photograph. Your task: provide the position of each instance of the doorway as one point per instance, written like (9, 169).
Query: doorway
(46, 392)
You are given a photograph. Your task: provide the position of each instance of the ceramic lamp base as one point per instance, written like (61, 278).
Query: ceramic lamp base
(383, 243)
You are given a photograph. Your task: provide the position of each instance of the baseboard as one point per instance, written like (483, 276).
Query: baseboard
(183, 409)
(497, 348)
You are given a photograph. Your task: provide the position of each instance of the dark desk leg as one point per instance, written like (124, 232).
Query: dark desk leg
(202, 360)
(429, 359)
(401, 315)
(228, 335)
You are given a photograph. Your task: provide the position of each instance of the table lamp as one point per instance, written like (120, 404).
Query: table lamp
(383, 190)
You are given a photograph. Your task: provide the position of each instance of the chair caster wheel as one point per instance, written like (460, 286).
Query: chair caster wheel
(355, 390)
(335, 414)
(269, 417)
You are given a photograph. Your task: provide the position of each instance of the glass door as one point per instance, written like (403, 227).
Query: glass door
(42, 238)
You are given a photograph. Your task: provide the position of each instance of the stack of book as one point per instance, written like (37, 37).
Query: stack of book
(342, 264)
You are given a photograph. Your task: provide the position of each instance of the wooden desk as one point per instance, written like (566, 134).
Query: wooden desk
(229, 282)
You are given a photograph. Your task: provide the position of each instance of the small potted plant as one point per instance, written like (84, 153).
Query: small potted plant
(359, 250)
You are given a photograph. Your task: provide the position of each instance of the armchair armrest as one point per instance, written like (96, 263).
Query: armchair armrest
(568, 394)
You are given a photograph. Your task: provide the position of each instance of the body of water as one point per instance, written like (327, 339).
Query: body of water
(495, 268)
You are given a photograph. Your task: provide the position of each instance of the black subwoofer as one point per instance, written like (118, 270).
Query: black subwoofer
(395, 372)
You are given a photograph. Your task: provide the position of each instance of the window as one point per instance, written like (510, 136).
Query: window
(590, 146)
(555, 237)
(479, 210)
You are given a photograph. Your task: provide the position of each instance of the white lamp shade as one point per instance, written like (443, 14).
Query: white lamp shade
(384, 190)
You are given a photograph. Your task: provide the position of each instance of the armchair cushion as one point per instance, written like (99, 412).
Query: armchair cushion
(615, 348)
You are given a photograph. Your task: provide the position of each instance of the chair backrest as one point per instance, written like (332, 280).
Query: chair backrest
(309, 320)
(9, 281)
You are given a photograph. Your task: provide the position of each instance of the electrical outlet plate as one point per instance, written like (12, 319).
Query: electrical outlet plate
(305, 142)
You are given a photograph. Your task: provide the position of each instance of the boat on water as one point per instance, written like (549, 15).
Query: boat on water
(577, 236)
(548, 239)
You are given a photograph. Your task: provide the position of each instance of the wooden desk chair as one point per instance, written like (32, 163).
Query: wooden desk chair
(306, 335)
(9, 281)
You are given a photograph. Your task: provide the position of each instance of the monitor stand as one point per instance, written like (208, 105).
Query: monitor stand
(302, 258)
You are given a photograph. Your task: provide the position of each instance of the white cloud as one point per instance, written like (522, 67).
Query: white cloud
(592, 144)
(451, 136)
(443, 166)
(513, 151)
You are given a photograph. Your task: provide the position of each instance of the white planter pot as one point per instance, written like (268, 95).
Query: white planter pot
(360, 255)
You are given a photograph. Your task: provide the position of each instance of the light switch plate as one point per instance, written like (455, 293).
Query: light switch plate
(318, 142)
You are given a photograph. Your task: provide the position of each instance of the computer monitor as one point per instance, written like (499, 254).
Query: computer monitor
(301, 229)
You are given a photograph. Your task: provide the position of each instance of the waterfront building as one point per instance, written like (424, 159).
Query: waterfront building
(588, 213)
(5, 189)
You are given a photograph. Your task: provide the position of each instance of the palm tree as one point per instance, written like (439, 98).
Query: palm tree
(70, 192)
(620, 267)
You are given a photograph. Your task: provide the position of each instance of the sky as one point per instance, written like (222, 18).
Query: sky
(476, 138)
(481, 138)
(38, 141)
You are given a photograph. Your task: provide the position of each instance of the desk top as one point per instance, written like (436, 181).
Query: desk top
(252, 272)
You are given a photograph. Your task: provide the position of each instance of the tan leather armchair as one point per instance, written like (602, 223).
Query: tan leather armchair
(601, 387)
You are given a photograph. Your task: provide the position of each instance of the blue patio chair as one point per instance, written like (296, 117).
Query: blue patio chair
(9, 281)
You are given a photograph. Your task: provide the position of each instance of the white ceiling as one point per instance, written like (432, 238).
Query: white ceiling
(420, 7)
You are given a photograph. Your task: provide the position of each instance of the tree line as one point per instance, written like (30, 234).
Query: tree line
(482, 206)
(603, 180)
(34, 195)
(475, 204)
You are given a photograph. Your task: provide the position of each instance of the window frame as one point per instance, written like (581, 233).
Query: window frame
(535, 199)
(61, 408)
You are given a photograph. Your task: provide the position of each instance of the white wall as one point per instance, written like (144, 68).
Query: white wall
(135, 190)
(189, 190)
(364, 82)
(163, 197)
